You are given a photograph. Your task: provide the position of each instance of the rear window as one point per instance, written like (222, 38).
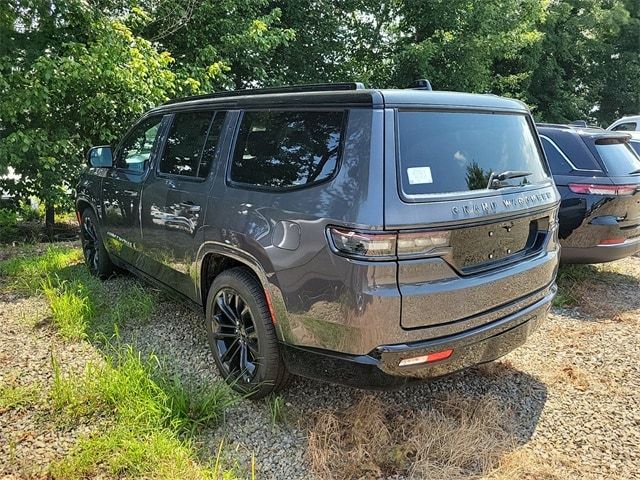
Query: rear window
(446, 152)
(619, 158)
(287, 149)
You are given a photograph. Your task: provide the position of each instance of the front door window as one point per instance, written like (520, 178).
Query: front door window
(135, 150)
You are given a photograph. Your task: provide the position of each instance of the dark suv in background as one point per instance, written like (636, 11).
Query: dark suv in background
(364, 237)
(597, 173)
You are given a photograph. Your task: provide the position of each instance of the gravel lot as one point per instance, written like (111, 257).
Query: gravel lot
(573, 388)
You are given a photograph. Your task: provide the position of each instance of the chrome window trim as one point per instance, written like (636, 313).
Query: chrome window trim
(566, 159)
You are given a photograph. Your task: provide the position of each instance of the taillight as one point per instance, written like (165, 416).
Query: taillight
(364, 244)
(592, 189)
(421, 242)
(377, 245)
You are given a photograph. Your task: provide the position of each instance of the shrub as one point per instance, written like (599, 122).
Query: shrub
(8, 225)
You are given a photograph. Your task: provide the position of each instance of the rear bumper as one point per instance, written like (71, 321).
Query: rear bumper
(380, 368)
(600, 253)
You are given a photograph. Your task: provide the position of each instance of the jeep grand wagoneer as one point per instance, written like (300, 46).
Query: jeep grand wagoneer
(364, 237)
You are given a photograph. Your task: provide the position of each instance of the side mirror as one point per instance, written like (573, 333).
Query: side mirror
(100, 157)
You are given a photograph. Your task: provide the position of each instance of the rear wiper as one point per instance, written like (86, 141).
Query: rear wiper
(635, 172)
(496, 180)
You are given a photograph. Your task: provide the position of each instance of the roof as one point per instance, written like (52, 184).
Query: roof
(589, 132)
(630, 118)
(353, 97)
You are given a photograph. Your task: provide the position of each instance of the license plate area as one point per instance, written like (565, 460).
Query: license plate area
(486, 246)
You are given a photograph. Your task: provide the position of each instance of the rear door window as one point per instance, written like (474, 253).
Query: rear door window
(635, 146)
(281, 150)
(191, 144)
(448, 152)
(619, 158)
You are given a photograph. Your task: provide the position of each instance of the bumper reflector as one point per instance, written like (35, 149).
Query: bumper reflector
(431, 357)
(612, 241)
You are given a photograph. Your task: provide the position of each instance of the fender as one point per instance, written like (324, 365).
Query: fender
(219, 248)
(272, 291)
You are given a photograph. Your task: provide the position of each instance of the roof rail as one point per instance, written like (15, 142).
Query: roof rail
(421, 84)
(311, 87)
(579, 123)
(554, 125)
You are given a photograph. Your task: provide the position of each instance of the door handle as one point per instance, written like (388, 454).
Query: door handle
(131, 193)
(190, 206)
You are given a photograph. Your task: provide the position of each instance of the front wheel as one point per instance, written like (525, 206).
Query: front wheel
(242, 336)
(96, 256)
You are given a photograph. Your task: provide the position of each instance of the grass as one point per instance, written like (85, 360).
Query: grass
(75, 297)
(277, 409)
(135, 304)
(576, 282)
(72, 307)
(453, 437)
(27, 273)
(570, 279)
(152, 415)
(14, 396)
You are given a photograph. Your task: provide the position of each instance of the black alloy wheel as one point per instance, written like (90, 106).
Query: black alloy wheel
(242, 334)
(235, 333)
(89, 243)
(95, 255)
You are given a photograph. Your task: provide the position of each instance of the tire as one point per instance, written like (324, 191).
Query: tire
(242, 336)
(96, 256)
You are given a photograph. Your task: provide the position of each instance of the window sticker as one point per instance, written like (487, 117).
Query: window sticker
(419, 175)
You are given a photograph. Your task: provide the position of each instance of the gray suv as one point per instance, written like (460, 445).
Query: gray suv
(365, 237)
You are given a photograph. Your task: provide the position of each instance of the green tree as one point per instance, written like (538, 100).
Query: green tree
(70, 77)
(458, 44)
(618, 73)
(588, 63)
(219, 44)
(335, 41)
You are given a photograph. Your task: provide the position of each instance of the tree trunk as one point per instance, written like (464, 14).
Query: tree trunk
(49, 219)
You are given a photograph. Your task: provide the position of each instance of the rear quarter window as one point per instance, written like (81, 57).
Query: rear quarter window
(285, 149)
(450, 152)
(558, 164)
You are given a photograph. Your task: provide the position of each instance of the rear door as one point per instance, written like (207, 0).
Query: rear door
(122, 187)
(444, 180)
(175, 198)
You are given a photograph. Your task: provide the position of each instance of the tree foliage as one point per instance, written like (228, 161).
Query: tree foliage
(588, 62)
(58, 97)
(458, 43)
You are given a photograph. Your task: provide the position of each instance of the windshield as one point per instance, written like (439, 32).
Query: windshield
(618, 158)
(446, 152)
